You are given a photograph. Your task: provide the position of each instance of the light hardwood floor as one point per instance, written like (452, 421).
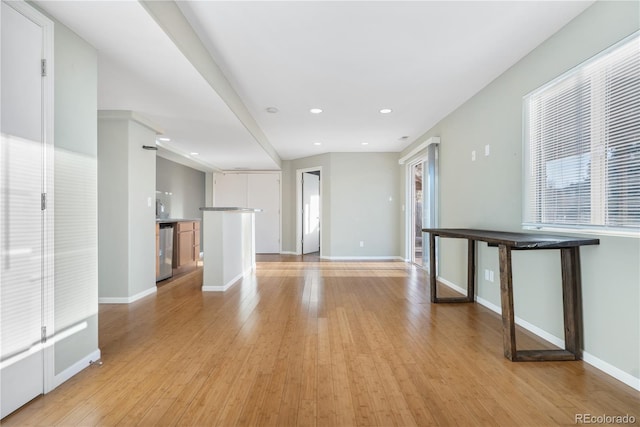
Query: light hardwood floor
(318, 343)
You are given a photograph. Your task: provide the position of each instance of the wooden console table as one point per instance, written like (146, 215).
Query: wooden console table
(506, 242)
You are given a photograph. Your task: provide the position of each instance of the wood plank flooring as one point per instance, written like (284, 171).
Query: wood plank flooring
(318, 343)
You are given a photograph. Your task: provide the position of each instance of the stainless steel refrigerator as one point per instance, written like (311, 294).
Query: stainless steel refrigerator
(165, 252)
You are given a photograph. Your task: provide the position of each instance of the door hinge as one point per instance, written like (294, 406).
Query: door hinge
(43, 67)
(43, 201)
(43, 336)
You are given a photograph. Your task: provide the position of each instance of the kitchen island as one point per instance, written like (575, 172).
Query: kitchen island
(228, 234)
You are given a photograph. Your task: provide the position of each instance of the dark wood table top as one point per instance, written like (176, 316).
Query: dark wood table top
(513, 239)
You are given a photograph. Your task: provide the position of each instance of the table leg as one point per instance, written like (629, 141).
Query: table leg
(571, 299)
(471, 275)
(506, 299)
(432, 266)
(471, 270)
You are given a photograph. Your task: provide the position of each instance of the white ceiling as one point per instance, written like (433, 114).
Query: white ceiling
(422, 59)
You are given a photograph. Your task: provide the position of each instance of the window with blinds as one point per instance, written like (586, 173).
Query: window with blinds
(582, 145)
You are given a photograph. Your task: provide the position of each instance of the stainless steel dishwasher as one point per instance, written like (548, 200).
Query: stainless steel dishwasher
(165, 252)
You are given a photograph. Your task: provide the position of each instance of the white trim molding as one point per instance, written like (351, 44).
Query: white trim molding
(230, 283)
(419, 148)
(127, 300)
(76, 368)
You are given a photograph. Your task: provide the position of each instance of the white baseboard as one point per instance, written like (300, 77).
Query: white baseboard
(609, 369)
(127, 300)
(363, 258)
(216, 288)
(453, 286)
(228, 284)
(526, 325)
(287, 253)
(592, 360)
(75, 368)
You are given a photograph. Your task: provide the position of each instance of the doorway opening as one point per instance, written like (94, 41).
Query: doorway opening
(422, 196)
(309, 211)
(417, 194)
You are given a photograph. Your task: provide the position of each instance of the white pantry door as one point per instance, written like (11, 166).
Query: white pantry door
(254, 190)
(310, 213)
(22, 213)
(264, 193)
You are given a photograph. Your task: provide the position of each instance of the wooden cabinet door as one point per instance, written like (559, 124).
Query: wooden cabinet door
(185, 247)
(196, 241)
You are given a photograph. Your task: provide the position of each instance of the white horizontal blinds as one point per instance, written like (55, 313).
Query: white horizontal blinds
(21, 253)
(623, 139)
(560, 153)
(582, 136)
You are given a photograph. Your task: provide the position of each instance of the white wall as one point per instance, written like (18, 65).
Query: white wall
(187, 186)
(126, 206)
(75, 210)
(142, 209)
(365, 205)
(487, 194)
(113, 227)
(360, 202)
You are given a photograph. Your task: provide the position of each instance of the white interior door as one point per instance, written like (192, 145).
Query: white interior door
(264, 193)
(22, 217)
(310, 213)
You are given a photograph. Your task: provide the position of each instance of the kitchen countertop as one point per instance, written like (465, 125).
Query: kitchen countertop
(168, 220)
(230, 209)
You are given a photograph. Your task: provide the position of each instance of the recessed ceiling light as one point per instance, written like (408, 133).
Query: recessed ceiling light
(271, 110)
(164, 139)
(195, 154)
(317, 143)
(315, 110)
(364, 143)
(385, 111)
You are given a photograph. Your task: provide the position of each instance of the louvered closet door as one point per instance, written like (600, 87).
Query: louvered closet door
(21, 216)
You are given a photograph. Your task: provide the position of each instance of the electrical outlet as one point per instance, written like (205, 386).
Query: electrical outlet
(361, 244)
(487, 150)
(488, 275)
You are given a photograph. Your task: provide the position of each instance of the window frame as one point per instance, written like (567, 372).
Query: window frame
(598, 195)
